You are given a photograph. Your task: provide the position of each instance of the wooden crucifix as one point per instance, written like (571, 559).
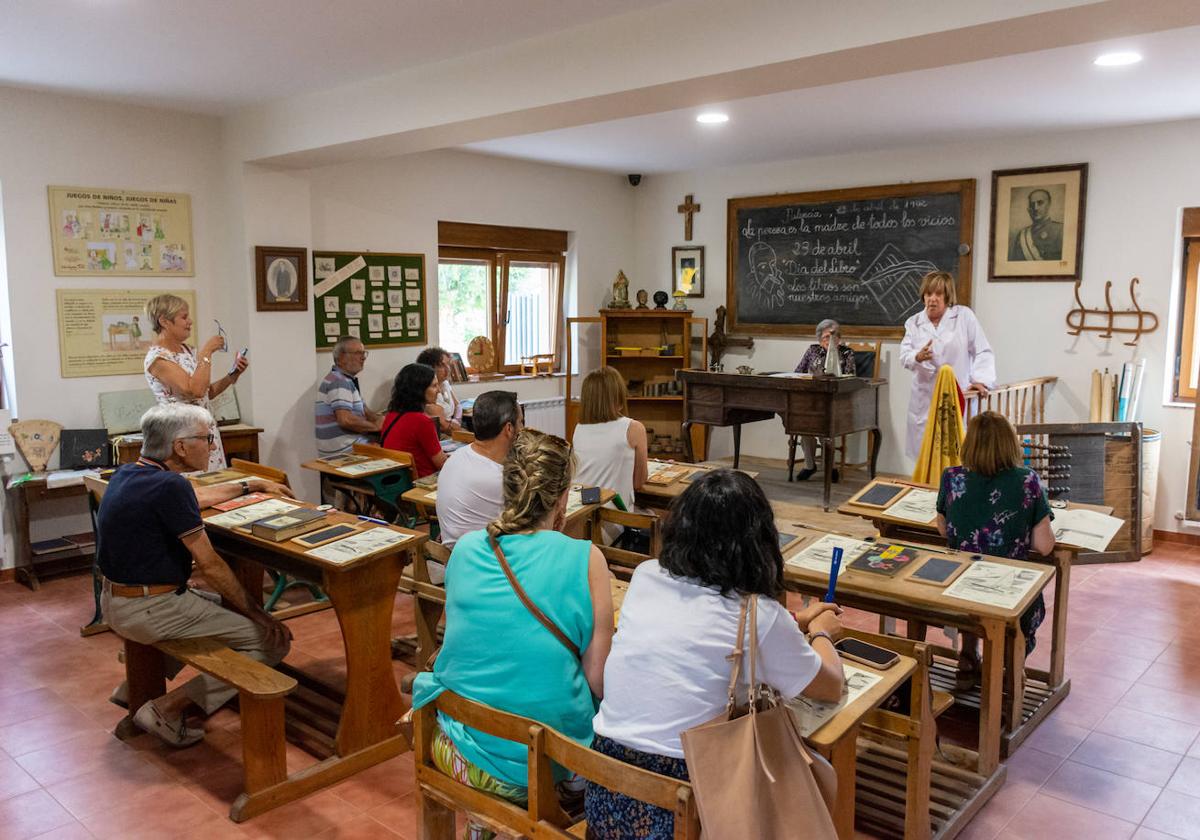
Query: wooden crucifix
(688, 208)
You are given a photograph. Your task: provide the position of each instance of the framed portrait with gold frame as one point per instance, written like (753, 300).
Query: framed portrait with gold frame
(1037, 223)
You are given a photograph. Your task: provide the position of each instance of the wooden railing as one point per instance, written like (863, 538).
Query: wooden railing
(1020, 402)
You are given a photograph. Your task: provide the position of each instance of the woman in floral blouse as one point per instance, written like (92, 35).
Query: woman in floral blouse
(993, 505)
(814, 362)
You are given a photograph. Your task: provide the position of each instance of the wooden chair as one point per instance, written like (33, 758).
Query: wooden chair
(868, 359)
(283, 582)
(429, 605)
(261, 693)
(96, 488)
(622, 561)
(439, 796)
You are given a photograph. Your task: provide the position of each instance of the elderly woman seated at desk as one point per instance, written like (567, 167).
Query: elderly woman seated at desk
(993, 505)
(814, 362)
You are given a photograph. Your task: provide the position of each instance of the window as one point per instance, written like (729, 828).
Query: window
(504, 283)
(1187, 349)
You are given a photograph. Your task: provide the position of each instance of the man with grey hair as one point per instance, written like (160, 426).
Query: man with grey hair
(814, 362)
(149, 532)
(343, 419)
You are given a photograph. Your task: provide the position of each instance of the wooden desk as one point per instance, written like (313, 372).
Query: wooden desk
(660, 496)
(1046, 689)
(26, 496)
(825, 408)
(425, 500)
(364, 716)
(239, 441)
(927, 604)
(837, 738)
(364, 489)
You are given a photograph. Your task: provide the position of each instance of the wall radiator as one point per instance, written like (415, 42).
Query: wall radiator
(548, 415)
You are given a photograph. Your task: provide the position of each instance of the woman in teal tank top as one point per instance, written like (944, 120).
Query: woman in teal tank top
(495, 651)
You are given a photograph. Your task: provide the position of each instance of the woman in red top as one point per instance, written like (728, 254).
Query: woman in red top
(407, 427)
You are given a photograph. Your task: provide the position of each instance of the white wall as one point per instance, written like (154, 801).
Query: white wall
(47, 139)
(394, 205)
(1138, 179)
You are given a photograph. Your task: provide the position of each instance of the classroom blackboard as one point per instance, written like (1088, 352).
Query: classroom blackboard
(855, 255)
(380, 298)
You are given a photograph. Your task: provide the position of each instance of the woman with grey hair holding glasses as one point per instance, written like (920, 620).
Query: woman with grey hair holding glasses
(814, 362)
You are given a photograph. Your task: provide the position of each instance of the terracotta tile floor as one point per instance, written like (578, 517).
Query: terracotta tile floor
(1120, 758)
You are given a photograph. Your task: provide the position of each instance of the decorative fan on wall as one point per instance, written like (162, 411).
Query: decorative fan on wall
(36, 440)
(481, 355)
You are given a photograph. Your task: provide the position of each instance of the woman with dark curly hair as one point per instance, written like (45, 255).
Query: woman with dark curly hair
(406, 427)
(668, 670)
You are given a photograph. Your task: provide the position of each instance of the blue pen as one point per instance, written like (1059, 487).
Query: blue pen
(373, 519)
(833, 574)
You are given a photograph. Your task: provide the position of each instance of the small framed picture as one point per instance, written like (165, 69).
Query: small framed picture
(1037, 223)
(281, 279)
(687, 269)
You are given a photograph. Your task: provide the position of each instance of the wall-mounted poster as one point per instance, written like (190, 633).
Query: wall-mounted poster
(121, 233)
(104, 332)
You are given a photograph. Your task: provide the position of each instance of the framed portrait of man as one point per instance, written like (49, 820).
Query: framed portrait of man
(281, 279)
(1037, 223)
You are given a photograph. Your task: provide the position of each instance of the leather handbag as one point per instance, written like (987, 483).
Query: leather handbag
(751, 772)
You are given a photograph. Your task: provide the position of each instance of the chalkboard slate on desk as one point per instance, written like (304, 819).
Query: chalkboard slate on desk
(855, 255)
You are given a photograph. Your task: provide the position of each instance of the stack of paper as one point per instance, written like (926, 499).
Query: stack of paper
(250, 513)
(66, 478)
(818, 555)
(1088, 529)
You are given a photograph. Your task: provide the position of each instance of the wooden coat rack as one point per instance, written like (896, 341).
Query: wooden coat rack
(1111, 316)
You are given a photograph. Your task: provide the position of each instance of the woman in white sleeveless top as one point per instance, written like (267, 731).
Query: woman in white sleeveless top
(610, 447)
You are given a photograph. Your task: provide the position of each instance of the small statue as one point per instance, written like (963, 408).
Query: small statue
(620, 298)
(680, 301)
(660, 299)
(641, 299)
(718, 341)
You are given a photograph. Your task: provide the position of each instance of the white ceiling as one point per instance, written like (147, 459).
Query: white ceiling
(1053, 89)
(214, 56)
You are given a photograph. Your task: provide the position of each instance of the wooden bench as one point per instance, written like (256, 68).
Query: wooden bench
(261, 693)
(439, 796)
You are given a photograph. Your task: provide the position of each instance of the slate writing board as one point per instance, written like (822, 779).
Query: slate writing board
(937, 571)
(855, 255)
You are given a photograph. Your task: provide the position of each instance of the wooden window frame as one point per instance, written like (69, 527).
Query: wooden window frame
(1181, 390)
(498, 261)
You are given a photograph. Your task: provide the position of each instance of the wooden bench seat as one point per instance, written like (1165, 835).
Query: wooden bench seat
(261, 693)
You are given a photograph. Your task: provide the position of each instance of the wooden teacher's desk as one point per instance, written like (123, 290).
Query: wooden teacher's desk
(823, 407)
(1047, 688)
(900, 597)
(356, 728)
(659, 495)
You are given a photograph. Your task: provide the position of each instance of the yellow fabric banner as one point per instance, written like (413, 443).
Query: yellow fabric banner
(942, 445)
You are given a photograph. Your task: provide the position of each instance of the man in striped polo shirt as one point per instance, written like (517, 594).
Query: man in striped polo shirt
(343, 419)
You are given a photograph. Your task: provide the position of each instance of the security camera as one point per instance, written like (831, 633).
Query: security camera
(634, 179)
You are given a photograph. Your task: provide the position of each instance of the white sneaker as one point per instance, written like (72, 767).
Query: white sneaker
(149, 719)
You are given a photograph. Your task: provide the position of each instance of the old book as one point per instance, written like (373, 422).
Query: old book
(242, 501)
(284, 526)
(885, 560)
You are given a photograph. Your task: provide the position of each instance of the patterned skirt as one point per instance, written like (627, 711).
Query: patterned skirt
(1031, 620)
(614, 816)
(450, 761)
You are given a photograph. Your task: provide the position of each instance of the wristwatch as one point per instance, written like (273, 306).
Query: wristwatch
(814, 635)
(246, 489)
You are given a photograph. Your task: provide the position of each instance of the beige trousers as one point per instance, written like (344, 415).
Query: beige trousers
(156, 617)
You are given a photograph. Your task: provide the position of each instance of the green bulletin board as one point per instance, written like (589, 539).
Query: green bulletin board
(378, 297)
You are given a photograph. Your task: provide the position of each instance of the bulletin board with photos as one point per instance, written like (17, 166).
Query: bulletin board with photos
(377, 297)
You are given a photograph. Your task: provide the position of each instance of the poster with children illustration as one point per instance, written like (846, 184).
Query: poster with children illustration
(119, 232)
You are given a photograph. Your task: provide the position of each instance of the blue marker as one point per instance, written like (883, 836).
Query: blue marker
(373, 519)
(833, 574)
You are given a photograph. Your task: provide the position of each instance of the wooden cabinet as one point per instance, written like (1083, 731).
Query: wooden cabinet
(647, 346)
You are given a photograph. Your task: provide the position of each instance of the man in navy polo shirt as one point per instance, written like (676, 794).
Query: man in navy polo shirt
(149, 532)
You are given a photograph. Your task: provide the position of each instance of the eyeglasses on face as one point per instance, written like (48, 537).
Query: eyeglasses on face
(210, 437)
(361, 353)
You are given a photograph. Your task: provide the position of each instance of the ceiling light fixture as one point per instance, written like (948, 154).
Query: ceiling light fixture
(712, 118)
(1117, 59)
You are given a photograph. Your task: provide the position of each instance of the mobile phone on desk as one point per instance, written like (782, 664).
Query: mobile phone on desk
(867, 653)
(589, 495)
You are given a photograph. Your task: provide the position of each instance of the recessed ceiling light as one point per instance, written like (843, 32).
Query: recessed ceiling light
(712, 118)
(1118, 59)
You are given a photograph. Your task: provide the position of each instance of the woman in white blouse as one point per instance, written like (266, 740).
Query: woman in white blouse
(447, 410)
(943, 333)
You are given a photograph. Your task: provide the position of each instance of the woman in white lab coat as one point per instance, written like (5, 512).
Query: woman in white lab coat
(943, 333)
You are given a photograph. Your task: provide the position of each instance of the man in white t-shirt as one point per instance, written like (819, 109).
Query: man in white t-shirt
(469, 489)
